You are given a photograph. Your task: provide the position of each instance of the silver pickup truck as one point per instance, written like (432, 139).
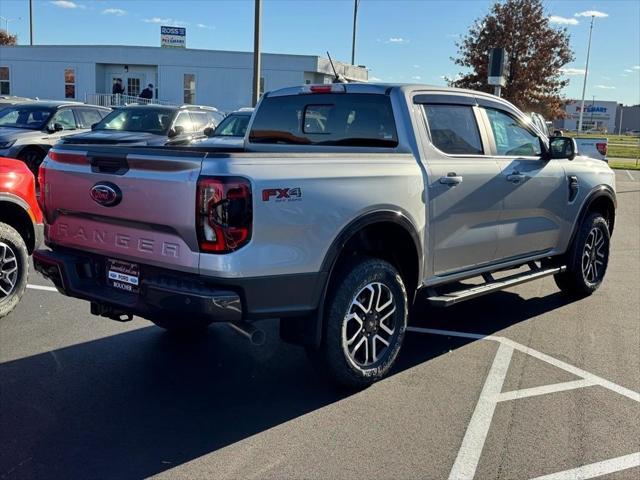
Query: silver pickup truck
(346, 202)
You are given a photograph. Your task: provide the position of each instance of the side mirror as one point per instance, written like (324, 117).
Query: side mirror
(94, 125)
(175, 131)
(562, 148)
(209, 131)
(56, 127)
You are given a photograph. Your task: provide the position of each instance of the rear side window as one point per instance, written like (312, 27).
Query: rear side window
(352, 120)
(454, 129)
(88, 117)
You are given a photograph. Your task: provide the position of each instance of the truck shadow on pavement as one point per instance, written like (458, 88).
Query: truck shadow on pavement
(138, 403)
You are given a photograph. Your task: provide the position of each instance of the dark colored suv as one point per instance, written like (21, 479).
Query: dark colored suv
(29, 130)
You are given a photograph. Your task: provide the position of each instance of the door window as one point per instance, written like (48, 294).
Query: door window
(133, 86)
(200, 121)
(454, 129)
(511, 137)
(69, 83)
(183, 120)
(5, 83)
(87, 117)
(65, 118)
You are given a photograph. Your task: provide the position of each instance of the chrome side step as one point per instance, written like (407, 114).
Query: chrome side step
(493, 285)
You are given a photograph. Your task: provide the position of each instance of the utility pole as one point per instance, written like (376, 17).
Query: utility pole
(586, 72)
(256, 53)
(31, 22)
(355, 24)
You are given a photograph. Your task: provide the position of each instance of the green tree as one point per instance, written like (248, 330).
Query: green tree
(7, 39)
(536, 51)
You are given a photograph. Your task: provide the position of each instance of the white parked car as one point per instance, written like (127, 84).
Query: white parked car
(230, 132)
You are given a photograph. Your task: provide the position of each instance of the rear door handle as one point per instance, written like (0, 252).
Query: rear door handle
(516, 177)
(451, 179)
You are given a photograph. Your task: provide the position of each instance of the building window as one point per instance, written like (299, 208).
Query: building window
(5, 83)
(189, 88)
(133, 86)
(69, 83)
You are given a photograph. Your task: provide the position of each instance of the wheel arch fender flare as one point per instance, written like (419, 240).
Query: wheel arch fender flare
(596, 194)
(384, 215)
(18, 211)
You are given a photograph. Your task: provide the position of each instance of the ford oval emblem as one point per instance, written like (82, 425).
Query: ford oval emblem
(106, 194)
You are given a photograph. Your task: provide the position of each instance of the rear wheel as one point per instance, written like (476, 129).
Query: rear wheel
(33, 157)
(14, 268)
(365, 321)
(587, 259)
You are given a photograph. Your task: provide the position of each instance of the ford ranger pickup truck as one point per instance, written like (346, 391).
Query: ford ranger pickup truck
(20, 230)
(346, 202)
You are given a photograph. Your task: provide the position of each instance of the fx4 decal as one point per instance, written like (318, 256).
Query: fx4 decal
(282, 194)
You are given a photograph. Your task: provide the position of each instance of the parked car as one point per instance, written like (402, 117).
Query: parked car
(346, 203)
(20, 230)
(10, 100)
(153, 125)
(588, 146)
(28, 130)
(230, 132)
(540, 122)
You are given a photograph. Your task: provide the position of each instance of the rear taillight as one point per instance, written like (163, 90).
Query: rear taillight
(42, 186)
(602, 148)
(224, 213)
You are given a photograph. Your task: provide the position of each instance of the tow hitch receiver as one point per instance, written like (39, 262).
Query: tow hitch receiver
(108, 311)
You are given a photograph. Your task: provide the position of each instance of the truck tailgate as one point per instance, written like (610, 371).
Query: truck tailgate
(132, 205)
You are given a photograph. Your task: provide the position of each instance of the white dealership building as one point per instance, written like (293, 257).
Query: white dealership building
(207, 77)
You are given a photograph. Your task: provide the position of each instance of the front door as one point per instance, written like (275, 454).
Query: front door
(464, 204)
(535, 190)
(133, 83)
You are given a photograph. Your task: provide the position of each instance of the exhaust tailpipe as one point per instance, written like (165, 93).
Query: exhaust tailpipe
(255, 335)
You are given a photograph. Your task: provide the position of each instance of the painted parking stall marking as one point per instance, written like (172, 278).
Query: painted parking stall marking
(42, 288)
(470, 451)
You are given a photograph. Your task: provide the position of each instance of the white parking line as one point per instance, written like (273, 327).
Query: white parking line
(596, 469)
(630, 175)
(42, 287)
(473, 442)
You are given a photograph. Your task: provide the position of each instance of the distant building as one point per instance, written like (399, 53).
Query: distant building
(630, 118)
(209, 77)
(597, 115)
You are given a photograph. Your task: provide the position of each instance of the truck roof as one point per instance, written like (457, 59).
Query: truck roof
(383, 88)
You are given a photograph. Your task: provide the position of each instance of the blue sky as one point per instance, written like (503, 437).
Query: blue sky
(398, 40)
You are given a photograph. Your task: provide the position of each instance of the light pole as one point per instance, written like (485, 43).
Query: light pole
(355, 24)
(256, 53)
(586, 72)
(6, 22)
(31, 22)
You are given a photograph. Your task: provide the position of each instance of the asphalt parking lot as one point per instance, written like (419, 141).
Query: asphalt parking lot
(520, 384)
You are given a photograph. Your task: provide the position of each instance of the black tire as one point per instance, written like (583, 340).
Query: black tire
(182, 325)
(356, 280)
(33, 157)
(14, 268)
(587, 258)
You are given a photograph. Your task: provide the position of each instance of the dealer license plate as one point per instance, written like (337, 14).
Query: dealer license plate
(123, 275)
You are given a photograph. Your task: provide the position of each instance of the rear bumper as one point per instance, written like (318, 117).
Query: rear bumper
(162, 294)
(169, 294)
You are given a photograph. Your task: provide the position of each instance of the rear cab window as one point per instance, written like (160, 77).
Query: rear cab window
(331, 119)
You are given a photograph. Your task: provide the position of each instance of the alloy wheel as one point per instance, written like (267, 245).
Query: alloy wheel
(8, 270)
(369, 328)
(594, 256)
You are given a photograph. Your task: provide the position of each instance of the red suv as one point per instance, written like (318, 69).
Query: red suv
(20, 230)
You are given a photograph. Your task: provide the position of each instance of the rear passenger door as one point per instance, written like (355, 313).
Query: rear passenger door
(535, 190)
(464, 204)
